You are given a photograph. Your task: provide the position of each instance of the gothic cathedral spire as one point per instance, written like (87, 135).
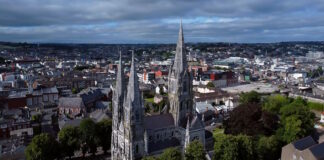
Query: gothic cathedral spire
(180, 61)
(118, 111)
(180, 84)
(134, 117)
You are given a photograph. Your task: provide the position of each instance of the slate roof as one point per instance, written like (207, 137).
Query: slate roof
(91, 95)
(71, 102)
(196, 123)
(158, 121)
(160, 145)
(318, 150)
(304, 143)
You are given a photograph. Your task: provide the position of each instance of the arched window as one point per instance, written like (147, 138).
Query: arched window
(195, 138)
(136, 149)
(137, 115)
(185, 86)
(188, 104)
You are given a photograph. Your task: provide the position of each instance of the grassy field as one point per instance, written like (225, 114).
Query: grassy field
(315, 106)
(149, 100)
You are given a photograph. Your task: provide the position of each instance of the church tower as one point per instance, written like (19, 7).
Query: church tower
(117, 145)
(180, 85)
(134, 117)
(128, 117)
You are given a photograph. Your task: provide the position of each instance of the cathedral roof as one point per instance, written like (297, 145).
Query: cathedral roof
(196, 123)
(161, 145)
(158, 121)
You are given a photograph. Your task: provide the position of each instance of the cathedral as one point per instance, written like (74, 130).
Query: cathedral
(135, 135)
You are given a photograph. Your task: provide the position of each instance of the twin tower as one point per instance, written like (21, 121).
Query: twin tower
(132, 137)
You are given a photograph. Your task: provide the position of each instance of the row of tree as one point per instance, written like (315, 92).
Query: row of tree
(260, 126)
(243, 147)
(194, 151)
(87, 137)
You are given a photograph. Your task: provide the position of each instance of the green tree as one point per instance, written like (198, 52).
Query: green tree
(104, 133)
(2, 60)
(229, 147)
(246, 148)
(226, 147)
(150, 158)
(42, 147)
(210, 85)
(195, 151)
(274, 103)
(74, 91)
(268, 148)
(250, 97)
(297, 121)
(171, 154)
(88, 136)
(292, 129)
(37, 118)
(69, 138)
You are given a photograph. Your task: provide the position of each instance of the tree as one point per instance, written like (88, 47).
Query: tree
(250, 97)
(246, 148)
(210, 85)
(226, 147)
(37, 118)
(297, 121)
(171, 154)
(268, 148)
(292, 129)
(74, 91)
(69, 138)
(249, 119)
(195, 151)
(88, 136)
(149, 158)
(42, 147)
(2, 60)
(104, 133)
(274, 103)
(229, 147)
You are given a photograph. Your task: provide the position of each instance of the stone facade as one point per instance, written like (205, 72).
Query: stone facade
(135, 135)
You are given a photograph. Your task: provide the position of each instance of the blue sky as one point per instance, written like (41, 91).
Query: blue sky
(157, 21)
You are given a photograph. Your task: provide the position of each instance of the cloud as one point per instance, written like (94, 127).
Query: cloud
(155, 21)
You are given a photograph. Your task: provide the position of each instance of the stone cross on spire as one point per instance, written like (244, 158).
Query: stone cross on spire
(180, 61)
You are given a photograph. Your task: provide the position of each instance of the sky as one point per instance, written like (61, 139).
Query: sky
(157, 21)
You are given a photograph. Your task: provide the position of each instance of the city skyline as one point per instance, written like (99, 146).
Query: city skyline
(142, 21)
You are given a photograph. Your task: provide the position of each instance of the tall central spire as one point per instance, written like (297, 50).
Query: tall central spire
(180, 61)
(133, 94)
(120, 87)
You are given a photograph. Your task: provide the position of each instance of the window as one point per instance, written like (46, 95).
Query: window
(136, 149)
(188, 104)
(137, 115)
(184, 87)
